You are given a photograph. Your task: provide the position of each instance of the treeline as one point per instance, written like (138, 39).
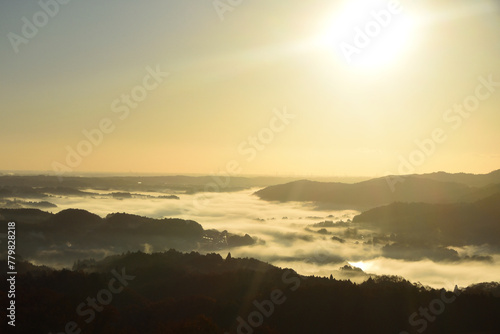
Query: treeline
(173, 292)
(59, 239)
(455, 224)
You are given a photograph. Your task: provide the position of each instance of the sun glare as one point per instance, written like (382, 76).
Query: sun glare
(360, 264)
(369, 34)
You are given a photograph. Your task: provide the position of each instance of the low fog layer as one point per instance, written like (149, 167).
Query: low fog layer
(296, 235)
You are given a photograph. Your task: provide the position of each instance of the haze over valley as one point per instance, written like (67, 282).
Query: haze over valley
(434, 239)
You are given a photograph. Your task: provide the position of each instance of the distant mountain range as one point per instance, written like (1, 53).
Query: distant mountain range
(429, 188)
(37, 186)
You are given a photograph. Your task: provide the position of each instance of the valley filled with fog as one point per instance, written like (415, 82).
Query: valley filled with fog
(295, 235)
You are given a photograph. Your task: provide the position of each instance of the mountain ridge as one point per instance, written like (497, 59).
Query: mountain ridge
(385, 190)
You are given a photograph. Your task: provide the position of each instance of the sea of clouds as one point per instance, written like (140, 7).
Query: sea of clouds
(286, 237)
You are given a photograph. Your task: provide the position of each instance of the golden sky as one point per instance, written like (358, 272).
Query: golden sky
(250, 87)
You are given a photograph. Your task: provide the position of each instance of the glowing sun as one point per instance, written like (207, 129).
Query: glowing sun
(369, 33)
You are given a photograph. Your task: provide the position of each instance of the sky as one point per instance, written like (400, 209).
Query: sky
(271, 87)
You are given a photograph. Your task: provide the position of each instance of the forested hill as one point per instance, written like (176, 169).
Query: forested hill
(172, 292)
(429, 188)
(455, 224)
(59, 239)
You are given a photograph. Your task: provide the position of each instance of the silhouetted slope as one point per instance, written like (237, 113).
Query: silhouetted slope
(173, 292)
(59, 239)
(366, 194)
(27, 216)
(479, 193)
(76, 218)
(471, 180)
(452, 224)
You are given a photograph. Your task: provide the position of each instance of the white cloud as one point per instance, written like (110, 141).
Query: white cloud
(285, 241)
